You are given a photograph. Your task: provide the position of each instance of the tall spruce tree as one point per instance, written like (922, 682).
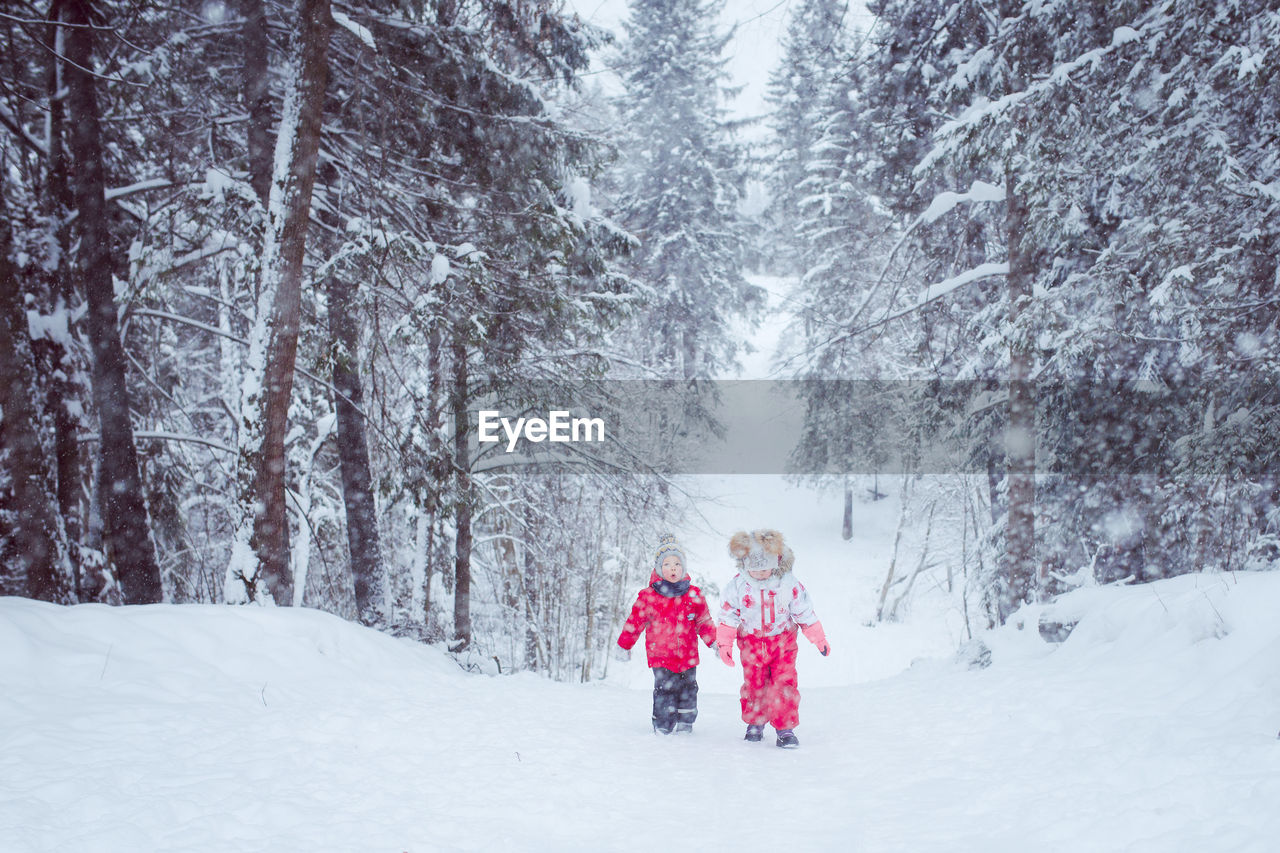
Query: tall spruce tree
(842, 235)
(1092, 243)
(681, 181)
(494, 258)
(799, 94)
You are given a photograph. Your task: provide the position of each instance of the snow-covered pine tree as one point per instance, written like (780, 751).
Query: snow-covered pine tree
(844, 236)
(680, 176)
(1117, 231)
(1185, 258)
(492, 272)
(52, 357)
(815, 53)
(955, 59)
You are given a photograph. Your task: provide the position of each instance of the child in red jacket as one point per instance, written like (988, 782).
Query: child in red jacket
(764, 607)
(674, 615)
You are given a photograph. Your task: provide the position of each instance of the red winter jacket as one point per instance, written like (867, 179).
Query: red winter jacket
(673, 626)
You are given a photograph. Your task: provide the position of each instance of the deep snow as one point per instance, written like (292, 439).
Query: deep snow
(211, 729)
(164, 728)
(219, 729)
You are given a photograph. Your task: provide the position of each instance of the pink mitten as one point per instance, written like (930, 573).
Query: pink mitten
(814, 634)
(725, 635)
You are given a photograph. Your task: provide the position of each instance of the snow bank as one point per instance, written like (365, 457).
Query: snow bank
(212, 729)
(1152, 729)
(1200, 650)
(1165, 617)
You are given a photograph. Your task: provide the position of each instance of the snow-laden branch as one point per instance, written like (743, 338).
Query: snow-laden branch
(168, 436)
(139, 187)
(11, 122)
(931, 293)
(945, 202)
(937, 291)
(979, 191)
(942, 288)
(209, 250)
(982, 109)
(186, 321)
(359, 31)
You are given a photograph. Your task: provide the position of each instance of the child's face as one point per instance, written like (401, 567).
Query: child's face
(760, 575)
(672, 569)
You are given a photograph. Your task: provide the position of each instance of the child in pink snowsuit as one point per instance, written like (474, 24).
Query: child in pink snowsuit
(764, 606)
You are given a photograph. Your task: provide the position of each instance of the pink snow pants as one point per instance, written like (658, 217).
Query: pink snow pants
(770, 687)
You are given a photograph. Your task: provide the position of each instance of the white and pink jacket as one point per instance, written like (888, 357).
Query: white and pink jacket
(766, 608)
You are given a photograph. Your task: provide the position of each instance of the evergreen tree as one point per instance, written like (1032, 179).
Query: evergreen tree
(803, 91)
(1081, 241)
(681, 177)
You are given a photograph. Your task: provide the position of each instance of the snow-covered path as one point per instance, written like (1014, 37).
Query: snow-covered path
(220, 729)
(235, 730)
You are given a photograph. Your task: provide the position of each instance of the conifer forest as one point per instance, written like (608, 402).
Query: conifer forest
(264, 262)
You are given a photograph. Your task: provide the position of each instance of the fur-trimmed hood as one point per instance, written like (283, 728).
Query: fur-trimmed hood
(742, 544)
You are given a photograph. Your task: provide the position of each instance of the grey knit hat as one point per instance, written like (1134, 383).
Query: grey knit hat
(667, 544)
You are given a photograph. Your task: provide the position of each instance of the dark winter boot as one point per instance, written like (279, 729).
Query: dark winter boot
(684, 728)
(661, 728)
(787, 739)
(755, 734)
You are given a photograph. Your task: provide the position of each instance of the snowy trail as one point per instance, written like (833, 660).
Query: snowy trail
(215, 729)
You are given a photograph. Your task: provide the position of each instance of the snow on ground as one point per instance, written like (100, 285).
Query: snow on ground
(765, 337)
(216, 729)
(166, 728)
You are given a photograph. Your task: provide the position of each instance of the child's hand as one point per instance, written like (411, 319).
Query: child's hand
(725, 635)
(619, 653)
(814, 634)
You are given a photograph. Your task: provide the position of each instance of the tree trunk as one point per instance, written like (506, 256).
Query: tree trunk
(436, 454)
(511, 592)
(126, 537)
(353, 458)
(533, 658)
(264, 565)
(32, 548)
(462, 470)
(1020, 571)
(897, 541)
(689, 354)
(588, 631)
(257, 96)
(64, 389)
(846, 529)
